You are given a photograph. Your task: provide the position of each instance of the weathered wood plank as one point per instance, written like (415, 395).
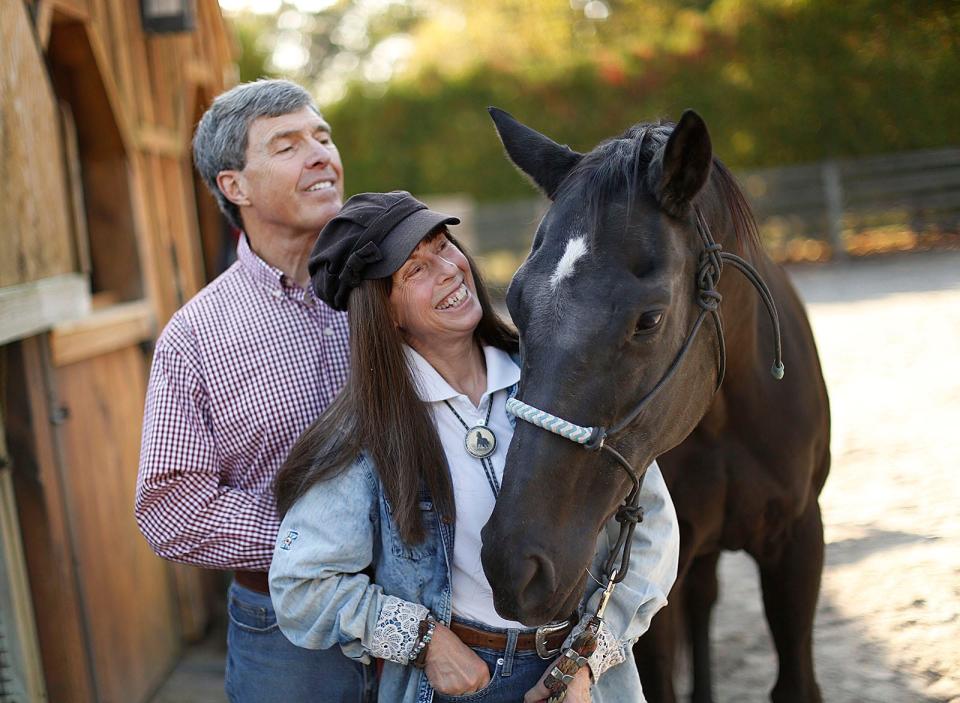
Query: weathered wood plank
(74, 174)
(133, 620)
(103, 331)
(34, 217)
(163, 142)
(57, 598)
(31, 308)
(17, 625)
(185, 229)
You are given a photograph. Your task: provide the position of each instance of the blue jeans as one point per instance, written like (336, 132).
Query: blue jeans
(512, 673)
(264, 667)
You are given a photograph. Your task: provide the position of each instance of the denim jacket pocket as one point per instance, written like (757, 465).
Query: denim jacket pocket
(414, 552)
(251, 618)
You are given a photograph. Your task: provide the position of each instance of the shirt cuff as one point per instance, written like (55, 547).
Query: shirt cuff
(609, 651)
(397, 629)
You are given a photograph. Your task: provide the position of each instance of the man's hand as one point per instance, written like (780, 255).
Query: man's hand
(452, 667)
(577, 692)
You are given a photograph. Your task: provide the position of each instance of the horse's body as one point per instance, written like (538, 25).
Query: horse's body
(748, 477)
(744, 465)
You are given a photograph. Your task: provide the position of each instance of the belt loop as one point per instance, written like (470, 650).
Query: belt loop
(509, 652)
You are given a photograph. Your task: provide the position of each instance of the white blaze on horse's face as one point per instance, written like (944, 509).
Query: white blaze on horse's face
(576, 248)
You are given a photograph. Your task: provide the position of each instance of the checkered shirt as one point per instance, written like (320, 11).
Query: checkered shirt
(238, 373)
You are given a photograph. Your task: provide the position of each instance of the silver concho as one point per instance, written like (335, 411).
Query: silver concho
(480, 442)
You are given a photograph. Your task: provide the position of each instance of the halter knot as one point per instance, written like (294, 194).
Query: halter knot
(710, 266)
(629, 514)
(709, 300)
(596, 439)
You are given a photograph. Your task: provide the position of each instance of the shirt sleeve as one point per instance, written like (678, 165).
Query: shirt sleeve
(643, 591)
(319, 592)
(181, 506)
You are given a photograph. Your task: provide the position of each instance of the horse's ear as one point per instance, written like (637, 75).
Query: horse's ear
(682, 166)
(544, 161)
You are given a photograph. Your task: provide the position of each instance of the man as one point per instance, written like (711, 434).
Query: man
(240, 371)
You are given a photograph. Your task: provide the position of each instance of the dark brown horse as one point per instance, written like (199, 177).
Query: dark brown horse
(599, 329)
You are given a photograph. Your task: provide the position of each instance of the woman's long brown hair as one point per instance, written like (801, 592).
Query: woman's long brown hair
(379, 412)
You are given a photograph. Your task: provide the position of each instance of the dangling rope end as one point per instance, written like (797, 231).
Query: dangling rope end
(777, 370)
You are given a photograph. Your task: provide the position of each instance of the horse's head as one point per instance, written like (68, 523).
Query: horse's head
(604, 302)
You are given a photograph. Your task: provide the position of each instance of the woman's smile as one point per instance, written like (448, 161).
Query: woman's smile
(455, 299)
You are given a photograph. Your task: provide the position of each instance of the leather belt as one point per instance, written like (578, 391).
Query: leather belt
(547, 640)
(257, 581)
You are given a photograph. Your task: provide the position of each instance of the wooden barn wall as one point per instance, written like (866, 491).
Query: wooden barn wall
(128, 600)
(35, 233)
(97, 183)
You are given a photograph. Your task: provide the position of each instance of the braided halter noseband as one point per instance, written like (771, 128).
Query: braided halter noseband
(630, 513)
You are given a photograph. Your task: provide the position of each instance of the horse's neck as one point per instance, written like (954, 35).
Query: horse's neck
(742, 311)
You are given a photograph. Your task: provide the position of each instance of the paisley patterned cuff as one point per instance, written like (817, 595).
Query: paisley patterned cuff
(609, 651)
(397, 629)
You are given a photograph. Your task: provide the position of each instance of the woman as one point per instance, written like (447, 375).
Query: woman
(410, 454)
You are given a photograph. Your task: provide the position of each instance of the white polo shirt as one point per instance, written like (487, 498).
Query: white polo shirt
(472, 597)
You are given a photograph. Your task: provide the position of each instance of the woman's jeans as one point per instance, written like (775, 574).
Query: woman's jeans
(264, 667)
(512, 673)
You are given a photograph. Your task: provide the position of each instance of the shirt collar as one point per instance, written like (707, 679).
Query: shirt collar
(270, 277)
(502, 373)
(262, 272)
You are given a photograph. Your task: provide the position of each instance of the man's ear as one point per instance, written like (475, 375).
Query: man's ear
(233, 186)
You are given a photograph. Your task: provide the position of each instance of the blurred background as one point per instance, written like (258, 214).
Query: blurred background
(801, 97)
(839, 118)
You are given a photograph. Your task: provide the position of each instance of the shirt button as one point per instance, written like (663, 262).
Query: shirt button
(277, 293)
(328, 332)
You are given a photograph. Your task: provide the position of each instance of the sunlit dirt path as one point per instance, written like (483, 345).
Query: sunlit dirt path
(888, 624)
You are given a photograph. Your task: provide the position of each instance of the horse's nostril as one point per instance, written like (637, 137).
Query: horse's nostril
(536, 581)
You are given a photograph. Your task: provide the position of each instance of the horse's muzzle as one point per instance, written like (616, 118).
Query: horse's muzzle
(525, 582)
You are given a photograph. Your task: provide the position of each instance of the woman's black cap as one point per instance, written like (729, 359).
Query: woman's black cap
(371, 237)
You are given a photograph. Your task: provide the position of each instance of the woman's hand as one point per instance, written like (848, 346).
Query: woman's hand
(452, 667)
(577, 692)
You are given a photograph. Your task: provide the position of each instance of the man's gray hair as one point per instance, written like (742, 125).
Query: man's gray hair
(220, 142)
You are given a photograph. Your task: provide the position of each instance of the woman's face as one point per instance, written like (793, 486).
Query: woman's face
(433, 297)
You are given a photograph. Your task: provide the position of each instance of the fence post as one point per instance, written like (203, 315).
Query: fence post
(833, 193)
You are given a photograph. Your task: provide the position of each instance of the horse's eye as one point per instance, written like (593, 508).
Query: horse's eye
(649, 321)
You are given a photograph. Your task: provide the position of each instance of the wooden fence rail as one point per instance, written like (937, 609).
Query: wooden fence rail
(917, 191)
(826, 204)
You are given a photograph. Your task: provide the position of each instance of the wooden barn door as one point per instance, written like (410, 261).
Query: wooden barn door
(128, 601)
(78, 461)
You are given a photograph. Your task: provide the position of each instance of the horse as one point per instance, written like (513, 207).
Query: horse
(623, 268)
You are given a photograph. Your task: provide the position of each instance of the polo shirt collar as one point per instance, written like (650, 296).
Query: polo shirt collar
(502, 373)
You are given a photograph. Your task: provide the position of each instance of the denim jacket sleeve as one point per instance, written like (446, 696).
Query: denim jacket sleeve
(319, 592)
(653, 569)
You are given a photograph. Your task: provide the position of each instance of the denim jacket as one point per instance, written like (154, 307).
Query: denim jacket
(340, 528)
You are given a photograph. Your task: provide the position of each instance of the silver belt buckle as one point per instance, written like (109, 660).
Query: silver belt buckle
(541, 635)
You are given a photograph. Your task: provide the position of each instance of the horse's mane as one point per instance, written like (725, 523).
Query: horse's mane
(620, 164)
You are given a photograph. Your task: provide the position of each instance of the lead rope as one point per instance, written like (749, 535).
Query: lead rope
(710, 266)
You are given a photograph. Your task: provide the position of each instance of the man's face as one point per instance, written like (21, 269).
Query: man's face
(293, 178)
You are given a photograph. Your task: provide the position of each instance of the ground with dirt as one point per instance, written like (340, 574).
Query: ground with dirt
(888, 623)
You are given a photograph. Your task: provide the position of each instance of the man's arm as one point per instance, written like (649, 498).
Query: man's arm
(181, 507)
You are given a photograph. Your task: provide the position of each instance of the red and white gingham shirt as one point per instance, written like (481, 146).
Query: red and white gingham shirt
(238, 373)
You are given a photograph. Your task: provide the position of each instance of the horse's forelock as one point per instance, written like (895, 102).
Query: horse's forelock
(619, 165)
(614, 167)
